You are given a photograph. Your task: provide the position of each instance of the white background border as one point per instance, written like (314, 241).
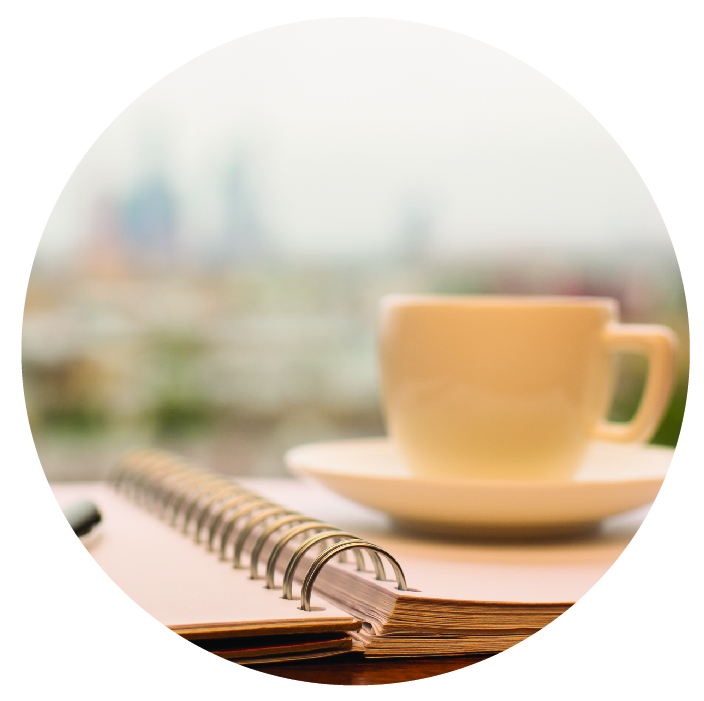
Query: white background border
(69, 69)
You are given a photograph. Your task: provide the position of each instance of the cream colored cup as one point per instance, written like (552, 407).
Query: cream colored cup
(511, 387)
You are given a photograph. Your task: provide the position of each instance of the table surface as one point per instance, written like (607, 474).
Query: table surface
(354, 669)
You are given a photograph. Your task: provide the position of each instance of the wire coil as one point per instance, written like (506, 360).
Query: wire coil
(195, 500)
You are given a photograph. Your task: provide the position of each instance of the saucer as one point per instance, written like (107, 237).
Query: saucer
(613, 478)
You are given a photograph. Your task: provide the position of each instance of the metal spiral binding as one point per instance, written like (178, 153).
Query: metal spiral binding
(164, 482)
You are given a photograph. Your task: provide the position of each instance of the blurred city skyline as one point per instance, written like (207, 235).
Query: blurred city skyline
(210, 276)
(352, 139)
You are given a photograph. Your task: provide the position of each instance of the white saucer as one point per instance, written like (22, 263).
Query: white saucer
(613, 478)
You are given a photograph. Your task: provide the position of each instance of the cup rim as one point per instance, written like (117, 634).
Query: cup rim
(489, 300)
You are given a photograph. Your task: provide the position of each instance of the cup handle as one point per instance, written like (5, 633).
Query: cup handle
(658, 344)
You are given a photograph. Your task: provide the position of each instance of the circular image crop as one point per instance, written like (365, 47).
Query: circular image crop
(201, 349)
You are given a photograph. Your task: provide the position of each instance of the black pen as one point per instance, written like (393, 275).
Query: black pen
(83, 516)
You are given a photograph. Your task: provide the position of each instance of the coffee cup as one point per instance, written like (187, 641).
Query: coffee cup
(494, 387)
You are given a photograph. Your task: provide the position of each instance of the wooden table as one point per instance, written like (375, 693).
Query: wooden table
(354, 668)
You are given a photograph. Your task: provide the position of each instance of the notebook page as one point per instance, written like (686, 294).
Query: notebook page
(549, 572)
(178, 582)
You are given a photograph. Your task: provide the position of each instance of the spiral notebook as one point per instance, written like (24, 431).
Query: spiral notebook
(251, 570)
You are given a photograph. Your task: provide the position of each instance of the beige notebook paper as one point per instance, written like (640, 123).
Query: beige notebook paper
(461, 597)
(195, 594)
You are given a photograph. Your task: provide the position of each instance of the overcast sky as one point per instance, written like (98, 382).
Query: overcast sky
(343, 131)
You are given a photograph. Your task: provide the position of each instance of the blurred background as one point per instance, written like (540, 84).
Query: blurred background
(210, 276)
